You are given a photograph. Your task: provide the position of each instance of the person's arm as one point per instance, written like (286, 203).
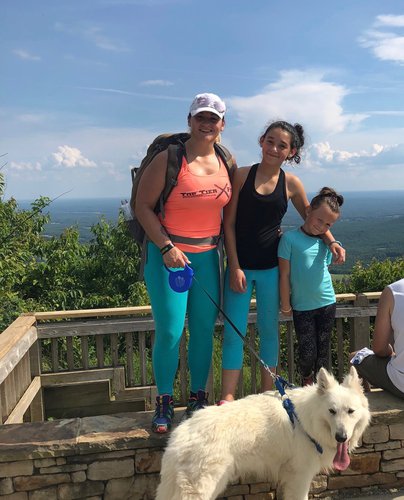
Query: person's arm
(150, 187)
(236, 275)
(284, 286)
(299, 199)
(383, 333)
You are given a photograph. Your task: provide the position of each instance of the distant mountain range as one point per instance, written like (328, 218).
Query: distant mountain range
(371, 225)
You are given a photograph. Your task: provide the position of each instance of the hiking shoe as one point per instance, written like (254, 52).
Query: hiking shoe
(197, 401)
(164, 414)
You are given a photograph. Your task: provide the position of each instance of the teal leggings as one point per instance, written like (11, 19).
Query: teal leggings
(237, 305)
(169, 309)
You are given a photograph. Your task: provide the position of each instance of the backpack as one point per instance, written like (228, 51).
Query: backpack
(174, 143)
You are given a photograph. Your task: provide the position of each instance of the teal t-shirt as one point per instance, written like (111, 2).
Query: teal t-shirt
(310, 279)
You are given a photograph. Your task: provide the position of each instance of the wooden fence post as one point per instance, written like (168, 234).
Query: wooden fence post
(37, 410)
(360, 325)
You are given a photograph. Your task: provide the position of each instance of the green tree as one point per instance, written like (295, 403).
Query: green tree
(20, 236)
(375, 276)
(55, 281)
(370, 278)
(41, 273)
(111, 269)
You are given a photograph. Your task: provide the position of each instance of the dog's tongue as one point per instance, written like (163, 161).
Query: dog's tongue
(341, 459)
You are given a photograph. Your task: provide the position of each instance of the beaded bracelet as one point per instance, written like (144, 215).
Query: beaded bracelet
(335, 241)
(166, 248)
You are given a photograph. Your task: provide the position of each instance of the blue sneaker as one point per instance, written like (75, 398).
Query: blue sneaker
(164, 414)
(197, 401)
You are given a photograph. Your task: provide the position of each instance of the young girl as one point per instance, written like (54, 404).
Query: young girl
(306, 285)
(252, 229)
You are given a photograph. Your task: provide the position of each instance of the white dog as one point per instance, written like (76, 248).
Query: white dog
(255, 438)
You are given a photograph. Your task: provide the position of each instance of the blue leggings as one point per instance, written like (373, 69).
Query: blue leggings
(169, 310)
(237, 305)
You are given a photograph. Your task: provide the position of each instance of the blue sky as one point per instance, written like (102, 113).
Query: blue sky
(87, 84)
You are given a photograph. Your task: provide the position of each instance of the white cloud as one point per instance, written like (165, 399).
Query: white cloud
(156, 83)
(321, 152)
(30, 118)
(377, 167)
(94, 35)
(25, 55)
(390, 20)
(298, 96)
(137, 94)
(385, 45)
(25, 166)
(69, 157)
(112, 150)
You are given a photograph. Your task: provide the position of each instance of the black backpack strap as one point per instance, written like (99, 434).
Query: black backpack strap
(175, 153)
(226, 157)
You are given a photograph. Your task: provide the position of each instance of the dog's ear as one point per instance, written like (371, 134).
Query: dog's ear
(324, 381)
(352, 380)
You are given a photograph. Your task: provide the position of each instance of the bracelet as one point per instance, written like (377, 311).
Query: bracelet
(335, 241)
(287, 311)
(166, 248)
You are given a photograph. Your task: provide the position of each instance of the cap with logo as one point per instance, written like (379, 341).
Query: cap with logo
(208, 102)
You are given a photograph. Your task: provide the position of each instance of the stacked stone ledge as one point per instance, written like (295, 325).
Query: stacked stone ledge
(115, 457)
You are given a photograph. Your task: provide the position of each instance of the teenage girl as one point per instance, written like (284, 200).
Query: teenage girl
(189, 235)
(305, 283)
(252, 222)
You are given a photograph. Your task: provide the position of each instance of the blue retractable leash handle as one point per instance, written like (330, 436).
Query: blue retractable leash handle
(180, 280)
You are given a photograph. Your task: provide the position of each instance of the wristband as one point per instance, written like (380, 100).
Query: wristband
(287, 311)
(166, 248)
(335, 241)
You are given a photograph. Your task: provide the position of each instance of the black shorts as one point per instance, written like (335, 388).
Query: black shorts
(374, 370)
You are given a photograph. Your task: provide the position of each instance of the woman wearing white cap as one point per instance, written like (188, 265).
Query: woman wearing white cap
(192, 223)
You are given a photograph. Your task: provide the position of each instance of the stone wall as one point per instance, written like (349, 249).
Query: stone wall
(114, 457)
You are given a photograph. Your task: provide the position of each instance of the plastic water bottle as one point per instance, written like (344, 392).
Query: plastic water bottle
(126, 210)
(361, 355)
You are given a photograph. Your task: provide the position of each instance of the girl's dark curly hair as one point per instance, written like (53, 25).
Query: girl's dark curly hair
(296, 133)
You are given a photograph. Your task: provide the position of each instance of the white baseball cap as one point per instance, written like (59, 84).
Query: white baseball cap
(208, 102)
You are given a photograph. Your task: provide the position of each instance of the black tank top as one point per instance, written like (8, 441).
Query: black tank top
(258, 223)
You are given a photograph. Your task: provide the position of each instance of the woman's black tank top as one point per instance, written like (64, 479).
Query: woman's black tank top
(258, 223)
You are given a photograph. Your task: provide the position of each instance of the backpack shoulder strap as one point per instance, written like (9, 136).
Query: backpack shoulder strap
(226, 157)
(174, 160)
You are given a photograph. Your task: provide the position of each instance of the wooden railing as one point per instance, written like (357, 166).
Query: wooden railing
(20, 384)
(63, 347)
